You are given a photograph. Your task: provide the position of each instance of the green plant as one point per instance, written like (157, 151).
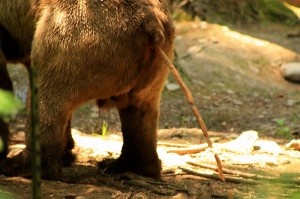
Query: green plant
(104, 129)
(5, 195)
(9, 105)
(295, 195)
(282, 128)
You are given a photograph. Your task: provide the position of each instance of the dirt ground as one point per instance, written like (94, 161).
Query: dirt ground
(233, 73)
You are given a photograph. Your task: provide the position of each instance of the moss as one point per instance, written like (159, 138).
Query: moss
(242, 11)
(276, 11)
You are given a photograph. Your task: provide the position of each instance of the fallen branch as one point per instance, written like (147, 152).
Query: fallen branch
(216, 176)
(189, 150)
(233, 172)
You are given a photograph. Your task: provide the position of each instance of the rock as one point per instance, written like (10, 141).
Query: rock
(195, 49)
(172, 87)
(267, 146)
(95, 109)
(94, 115)
(229, 91)
(272, 164)
(293, 145)
(291, 102)
(285, 162)
(237, 102)
(242, 144)
(291, 71)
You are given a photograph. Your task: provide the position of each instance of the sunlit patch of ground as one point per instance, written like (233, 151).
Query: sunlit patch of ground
(246, 154)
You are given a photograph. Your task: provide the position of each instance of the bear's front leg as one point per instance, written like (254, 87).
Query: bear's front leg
(139, 128)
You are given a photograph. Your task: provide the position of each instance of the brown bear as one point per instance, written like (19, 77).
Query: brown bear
(17, 27)
(105, 50)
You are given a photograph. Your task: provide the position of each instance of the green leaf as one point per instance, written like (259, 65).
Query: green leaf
(104, 128)
(5, 195)
(280, 122)
(9, 105)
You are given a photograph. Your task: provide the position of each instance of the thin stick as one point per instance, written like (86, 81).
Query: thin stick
(230, 171)
(191, 101)
(188, 95)
(220, 168)
(189, 150)
(169, 144)
(35, 139)
(215, 176)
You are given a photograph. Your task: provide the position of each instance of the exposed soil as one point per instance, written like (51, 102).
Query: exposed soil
(235, 79)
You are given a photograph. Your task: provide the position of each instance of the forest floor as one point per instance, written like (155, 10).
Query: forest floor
(234, 75)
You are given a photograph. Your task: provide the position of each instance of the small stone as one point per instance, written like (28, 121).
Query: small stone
(237, 102)
(272, 164)
(95, 109)
(229, 91)
(178, 38)
(194, 50)
(94, 115)
(201, 83)
(291, 102)
(291, 71)
(285, 162)
(179, 196)
(172, 87)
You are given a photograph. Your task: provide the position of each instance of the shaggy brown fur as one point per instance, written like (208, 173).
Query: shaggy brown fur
(17, 26)
(16, 34)
(106, 50)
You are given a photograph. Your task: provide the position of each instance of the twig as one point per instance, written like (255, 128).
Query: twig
(249, 163)
(217, 177)
(284, 178)
(189, 150)
(220, 169)
(233, 172)
(168, 144)
(188, 96)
